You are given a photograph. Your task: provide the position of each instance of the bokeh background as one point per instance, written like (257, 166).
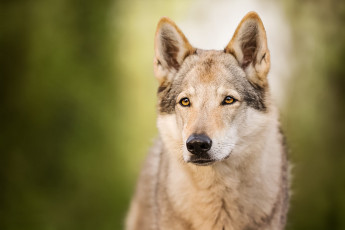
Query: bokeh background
(77, 103)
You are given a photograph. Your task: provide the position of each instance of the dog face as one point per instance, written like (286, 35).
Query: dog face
(211, 102)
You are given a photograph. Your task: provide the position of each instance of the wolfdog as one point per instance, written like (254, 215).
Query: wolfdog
(220, 159)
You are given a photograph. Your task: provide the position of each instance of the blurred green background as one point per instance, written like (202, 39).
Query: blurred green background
(77, 109)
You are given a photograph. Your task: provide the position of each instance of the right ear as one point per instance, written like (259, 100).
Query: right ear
(171, 48)
(249, 47)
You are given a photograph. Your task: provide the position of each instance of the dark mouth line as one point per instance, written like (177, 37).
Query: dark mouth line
(201, 159)
(202, 162)
(205, 162)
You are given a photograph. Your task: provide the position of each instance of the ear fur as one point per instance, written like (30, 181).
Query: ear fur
(171, 48)
(249, 47)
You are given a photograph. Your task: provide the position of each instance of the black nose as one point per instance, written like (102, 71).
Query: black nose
(198, 144)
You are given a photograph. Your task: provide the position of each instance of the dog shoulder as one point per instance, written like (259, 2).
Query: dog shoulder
(141, 214)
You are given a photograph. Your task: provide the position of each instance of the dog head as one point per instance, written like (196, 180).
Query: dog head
(211, 102)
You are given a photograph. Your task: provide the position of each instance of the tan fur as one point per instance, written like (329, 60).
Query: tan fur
(246, 185)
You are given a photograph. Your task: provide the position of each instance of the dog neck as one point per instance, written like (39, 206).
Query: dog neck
(236, 185)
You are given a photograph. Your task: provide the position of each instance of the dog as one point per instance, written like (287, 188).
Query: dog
(220, 160)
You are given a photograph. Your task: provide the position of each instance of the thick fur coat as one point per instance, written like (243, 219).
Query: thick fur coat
(220, 159)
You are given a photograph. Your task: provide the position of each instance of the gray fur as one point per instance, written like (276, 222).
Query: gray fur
(245, 184)
(253, 95)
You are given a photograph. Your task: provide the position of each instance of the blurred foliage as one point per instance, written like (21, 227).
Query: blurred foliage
(77, 108)
(58, 115)
(76, 95)
(314, 118)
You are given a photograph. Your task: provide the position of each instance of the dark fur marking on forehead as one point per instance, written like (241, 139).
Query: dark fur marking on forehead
(168, 91)
(252, 94)
(167, 98)
(208, 63)
(255, 98)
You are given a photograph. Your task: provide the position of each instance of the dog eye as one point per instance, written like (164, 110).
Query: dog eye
(228, 100)
(184, 102)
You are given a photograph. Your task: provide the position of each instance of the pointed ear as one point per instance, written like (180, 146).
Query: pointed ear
(171, 48)
(249, 46)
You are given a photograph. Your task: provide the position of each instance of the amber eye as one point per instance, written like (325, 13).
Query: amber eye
(185, 102)
(228, 100)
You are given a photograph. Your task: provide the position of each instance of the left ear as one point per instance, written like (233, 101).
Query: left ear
(249, 47)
